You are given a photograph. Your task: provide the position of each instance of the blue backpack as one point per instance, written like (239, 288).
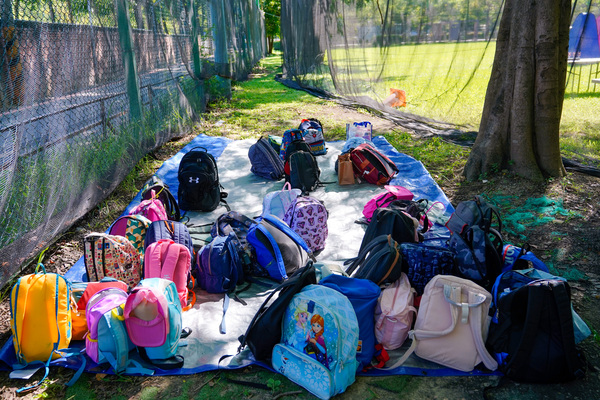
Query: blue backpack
(220, 266)
(363, 294)
(290, 136)
(279, 250)
(318, 342)
(265, 162)
(177, 232)
(107, 340)
(158, 338)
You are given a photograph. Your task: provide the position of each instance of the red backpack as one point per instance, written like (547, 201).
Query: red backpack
(371, 165)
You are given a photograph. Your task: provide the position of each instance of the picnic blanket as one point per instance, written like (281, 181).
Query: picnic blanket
(208, 349)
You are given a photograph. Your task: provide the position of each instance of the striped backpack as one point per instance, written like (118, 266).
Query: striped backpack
(113, 256)
(319, 341)
(307, 216)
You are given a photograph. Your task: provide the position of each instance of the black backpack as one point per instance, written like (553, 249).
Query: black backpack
(380, 261)
(476, 239)
(264, 331)
(394, 222)
(199, 187)
(532, 333)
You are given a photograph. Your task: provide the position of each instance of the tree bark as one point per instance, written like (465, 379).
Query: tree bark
(520, 123)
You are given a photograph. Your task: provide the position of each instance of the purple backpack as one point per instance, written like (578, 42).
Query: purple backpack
(307, 217)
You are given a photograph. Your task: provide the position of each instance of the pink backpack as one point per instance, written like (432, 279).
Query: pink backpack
(169, 260)
(383, 199)
(153, 209)
(395, 313)
(307, 217)
(452, 325)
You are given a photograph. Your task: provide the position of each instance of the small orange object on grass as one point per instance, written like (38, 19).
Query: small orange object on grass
(397, 98)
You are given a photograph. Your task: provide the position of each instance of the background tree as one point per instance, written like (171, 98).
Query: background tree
(272, 9)
(520, 122)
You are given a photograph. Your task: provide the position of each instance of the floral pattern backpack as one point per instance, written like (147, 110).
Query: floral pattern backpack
(307, 217)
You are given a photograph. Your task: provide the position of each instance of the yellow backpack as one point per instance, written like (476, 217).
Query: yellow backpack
(40, 310)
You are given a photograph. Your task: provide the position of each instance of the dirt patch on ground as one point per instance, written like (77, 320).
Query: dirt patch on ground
(570, 243)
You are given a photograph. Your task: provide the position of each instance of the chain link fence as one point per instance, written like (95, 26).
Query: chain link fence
(88, 87)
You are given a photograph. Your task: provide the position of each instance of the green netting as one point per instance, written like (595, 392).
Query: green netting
(87, 88)
(532, 213)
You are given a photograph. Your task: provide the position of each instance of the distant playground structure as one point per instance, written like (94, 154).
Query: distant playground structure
(584, 50)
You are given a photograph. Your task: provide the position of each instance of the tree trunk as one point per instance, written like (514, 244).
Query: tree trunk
(519, 128)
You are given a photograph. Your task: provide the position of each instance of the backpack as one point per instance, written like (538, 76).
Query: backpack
(153, 208)
(172, 261)
(264, 331)
(363, 295)
(40, 316)
(518, 258)
(394, 313)
(421, 263)
(386, 221)
(371, 165)
(134, 228)
(318, 353)
(113, 256)
(307, 216)
(451, 325)
(384, 199)
(514, 279)
(199, 187)
(162, 193)
(107, 340)
(265, 162)
(476, 243)
(177, 232)
(153, 320)
(302, 171)
(312, 131)
(238, 224)
(81, 293)
(278, 202)
(380, 261)
(532, 334)
(220, 266)
(279, 250)
(289, 136)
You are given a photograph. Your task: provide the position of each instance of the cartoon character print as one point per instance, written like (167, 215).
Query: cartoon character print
(315, 342)
(298, 339)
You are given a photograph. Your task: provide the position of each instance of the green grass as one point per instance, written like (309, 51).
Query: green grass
(448, 82)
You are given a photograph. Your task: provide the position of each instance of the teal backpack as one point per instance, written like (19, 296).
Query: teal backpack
(107, 340)
(319, 341)
(153, 319)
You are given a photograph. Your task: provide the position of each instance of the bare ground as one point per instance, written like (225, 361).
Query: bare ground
(576, 246)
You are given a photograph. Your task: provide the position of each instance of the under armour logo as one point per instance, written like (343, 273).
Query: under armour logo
(194, 180)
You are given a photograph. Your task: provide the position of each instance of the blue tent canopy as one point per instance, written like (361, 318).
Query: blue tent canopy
(583, 38)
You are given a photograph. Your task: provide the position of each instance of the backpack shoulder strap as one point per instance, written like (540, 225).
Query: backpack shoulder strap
(563, 305)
